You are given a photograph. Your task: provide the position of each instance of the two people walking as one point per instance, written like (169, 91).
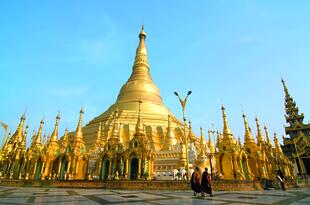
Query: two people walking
(201, 184)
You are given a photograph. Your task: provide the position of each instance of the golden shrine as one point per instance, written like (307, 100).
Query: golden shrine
(139, 138)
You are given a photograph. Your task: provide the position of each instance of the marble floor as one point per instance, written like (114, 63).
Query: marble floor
(26, 195)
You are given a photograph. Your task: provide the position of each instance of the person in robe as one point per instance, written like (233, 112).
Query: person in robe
(206, 184)
(195, 181)
(281, 179)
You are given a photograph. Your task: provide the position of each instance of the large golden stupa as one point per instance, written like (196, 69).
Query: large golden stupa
(139, 87)
(139, 138)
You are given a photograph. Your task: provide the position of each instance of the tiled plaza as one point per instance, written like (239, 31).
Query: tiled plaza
(25, 195)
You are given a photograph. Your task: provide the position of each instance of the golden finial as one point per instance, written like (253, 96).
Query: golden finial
(142, 33)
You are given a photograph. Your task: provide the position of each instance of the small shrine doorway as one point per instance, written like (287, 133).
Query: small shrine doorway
(134, 166)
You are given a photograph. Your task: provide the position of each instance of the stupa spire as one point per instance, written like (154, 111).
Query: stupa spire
(141, 58)
(79, 133)
(37, 140)
(248, 138)
(54, 135)
(23, 142)
(202, 143)
(260, 137)
(226, 129)
(170, 138)
(18, 135)
(140, 85)
(276, 143)
(267, 135)
(65, 140)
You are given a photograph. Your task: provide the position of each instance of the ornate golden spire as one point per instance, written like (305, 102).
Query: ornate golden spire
(79, 133)
(248, 138)
(44, 140)
(226, 130)
(260, 137)
(219, 138)
(54, 135)
(141, 52)
(170, 138)
(6, 141)
(23, 142)
(267, 135)
(65, 139)
(276, 143)
(140, 85)
(202, 143)
(37, 140)
(5, 145)
(18, 135)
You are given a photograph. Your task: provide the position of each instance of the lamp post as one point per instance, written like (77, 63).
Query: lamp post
(183, 104)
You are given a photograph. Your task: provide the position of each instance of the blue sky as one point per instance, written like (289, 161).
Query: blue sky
(62, 55)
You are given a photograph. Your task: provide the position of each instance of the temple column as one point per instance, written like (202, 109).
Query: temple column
(149, 169)
(69, 165)
(43, 170)
(33, 172)
(218, 165)
(59, 168)
(248, 168)
(139, 169)
(110, 169)
(126, 170)
(76, 169)
(235, 166)
(100, 169)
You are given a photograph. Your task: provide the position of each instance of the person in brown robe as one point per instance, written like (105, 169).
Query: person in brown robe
(195, 181)
(206, 184)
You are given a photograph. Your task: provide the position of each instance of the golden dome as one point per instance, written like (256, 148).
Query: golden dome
(139, 87)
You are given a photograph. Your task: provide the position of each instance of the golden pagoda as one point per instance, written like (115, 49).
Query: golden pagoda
(139, 138)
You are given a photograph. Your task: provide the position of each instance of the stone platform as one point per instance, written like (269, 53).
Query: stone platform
(72, 196)
(218, 185)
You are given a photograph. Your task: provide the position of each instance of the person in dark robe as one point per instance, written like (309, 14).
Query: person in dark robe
(195, 181)
(281, 178)
(206, 185)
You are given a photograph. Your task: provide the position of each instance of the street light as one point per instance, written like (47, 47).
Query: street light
(183, 104)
